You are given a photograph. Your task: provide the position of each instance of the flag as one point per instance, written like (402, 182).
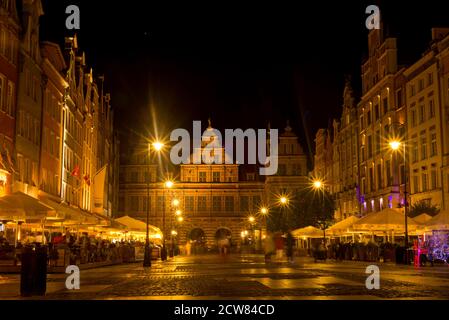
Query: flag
(76, 171)
(87, 179)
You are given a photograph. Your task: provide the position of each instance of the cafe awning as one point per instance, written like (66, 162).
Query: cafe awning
(439, 222)
(308, 232)
(343, 226)
(71, 215)
(21, 207)
(137, 225)
(385, 220)
(423, 218)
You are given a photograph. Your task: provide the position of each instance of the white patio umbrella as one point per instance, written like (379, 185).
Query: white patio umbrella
(385, 220)
(343, 227)
(439, 222)
(423, 218)
(308, 232)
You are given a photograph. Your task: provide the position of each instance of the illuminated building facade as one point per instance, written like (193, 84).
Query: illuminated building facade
(216, 200)
(9, 46)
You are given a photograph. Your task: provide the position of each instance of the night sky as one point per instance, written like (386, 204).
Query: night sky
(171, 63)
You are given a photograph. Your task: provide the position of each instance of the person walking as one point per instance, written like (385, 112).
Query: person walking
(279, 243)
(269, 247)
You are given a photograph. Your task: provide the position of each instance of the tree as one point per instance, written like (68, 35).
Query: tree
(306, 208)
(423, 207)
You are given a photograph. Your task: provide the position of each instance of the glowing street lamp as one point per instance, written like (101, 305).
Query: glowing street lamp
(180, 219)
(395, 145)
(264, 211)
(283, 200)
(157, 145)
(318, 184)
(175, 202)
(251, 219)
(178, 212)
(169, 184)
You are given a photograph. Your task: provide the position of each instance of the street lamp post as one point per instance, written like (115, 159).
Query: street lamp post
(147, 253)
(157, 146)
(318, 185)
(283, 201)
(395, 145)
(168, 184)
(264, 213)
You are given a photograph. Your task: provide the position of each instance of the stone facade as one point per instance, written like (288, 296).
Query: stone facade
(216, 199)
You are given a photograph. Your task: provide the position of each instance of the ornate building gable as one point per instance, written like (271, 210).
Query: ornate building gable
(32, 10)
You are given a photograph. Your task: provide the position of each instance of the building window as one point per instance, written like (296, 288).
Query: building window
(229, 203)
(368, 115)
(413, 117)
(379, 177)
(189, 203)
(433, 179)
(433, 144)
(422, 113)
(412, 90)
(415, 184)
(370, 147)
(376, 112)
(250, 176)
(216, 203)
(202, 203)
(399, 98)
(430, 79)
(425, 185)
(202, 176)
(256, 202)
(423, 146)
(216, 176)
(385, 103)
(388, 171)
(431, 109)
(421, 85)
(371, 179)
(244, 203)
(10, 99)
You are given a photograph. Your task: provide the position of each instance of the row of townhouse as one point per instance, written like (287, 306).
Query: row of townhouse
(57, 141)
(409, 104)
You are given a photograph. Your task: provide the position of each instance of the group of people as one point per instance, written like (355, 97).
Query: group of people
(224, 246)
(276, 244)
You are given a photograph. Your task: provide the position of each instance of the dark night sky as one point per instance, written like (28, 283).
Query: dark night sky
(242, 65)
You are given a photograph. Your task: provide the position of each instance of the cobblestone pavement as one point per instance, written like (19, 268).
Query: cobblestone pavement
(244, 277)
